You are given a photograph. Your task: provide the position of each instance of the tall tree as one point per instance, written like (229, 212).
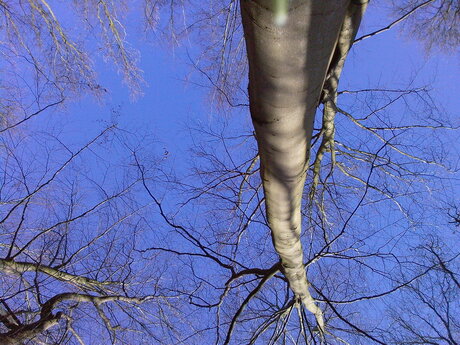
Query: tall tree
(359, 222)
(289, 66)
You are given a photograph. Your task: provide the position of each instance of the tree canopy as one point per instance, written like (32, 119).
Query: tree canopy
(332, 221)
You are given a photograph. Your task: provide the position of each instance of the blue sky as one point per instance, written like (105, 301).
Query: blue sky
(172, 102)
(171, 98)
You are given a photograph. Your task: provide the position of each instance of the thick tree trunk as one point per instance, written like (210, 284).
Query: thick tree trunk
(287, 68)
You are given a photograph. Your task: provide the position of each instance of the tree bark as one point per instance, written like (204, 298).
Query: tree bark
(287, 69)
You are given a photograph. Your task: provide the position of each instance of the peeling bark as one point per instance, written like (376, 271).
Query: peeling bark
(287, 70)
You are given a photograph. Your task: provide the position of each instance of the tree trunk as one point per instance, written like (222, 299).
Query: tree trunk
(288, 64)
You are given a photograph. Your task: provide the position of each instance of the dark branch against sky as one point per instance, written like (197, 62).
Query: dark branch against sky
(195, 244)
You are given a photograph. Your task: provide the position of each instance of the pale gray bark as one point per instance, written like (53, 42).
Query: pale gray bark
(287, 69)
(347, 36)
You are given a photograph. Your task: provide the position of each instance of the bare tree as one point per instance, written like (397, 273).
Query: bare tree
(376, 171)
(363, 226)
(437, 24)
(71, 225)
(70, 257)
(289, 66)
(427, 312)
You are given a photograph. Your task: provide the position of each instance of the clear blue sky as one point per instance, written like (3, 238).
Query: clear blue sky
(172, 101)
